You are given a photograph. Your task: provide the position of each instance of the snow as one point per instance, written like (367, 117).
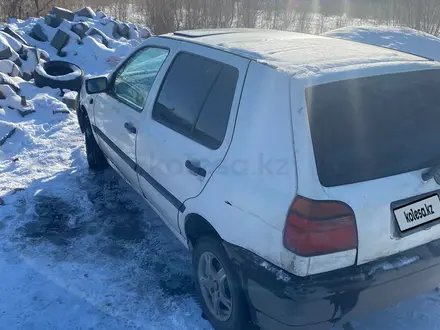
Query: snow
(92, 56)
(297, 53)
(5, 129)
(30, 63)
(399, 38)
(9, 67)
(74, 74)
(81, 250)
(3, 44)
(12, 99)
(6, 39)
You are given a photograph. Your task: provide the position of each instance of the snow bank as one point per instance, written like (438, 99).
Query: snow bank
(6, 131)
(398, 38)
(6, 39)
(93, 57)
(10, 68)
(34, 111)
(57, 38)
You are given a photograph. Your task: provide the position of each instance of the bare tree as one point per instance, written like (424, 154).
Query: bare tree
(248, 12)
(300, 15)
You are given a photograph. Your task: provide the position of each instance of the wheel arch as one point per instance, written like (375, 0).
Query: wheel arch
(196, 226)
(81, 113)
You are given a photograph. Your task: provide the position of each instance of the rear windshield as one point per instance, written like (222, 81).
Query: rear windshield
(369, 128)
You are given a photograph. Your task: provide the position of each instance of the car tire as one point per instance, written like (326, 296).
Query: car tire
(225, 287)
(59, 74)
(80, 111)
(95, 156)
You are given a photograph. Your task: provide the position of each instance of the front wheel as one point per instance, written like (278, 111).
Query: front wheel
(95, 156)
(218, 288)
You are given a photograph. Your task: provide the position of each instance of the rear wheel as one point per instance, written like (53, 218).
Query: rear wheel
(95, 156)
(218, 287)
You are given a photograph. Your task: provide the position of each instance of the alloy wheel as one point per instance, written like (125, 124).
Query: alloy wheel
(215, 286)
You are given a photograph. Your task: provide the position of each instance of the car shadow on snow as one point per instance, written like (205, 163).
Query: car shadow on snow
(85, 217)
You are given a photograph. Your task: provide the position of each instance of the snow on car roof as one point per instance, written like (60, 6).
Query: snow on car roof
(294, 52)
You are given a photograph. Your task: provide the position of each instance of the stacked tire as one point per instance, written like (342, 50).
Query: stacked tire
(59, 74)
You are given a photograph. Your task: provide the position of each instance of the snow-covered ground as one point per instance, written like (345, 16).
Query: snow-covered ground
(81, 250)
(399, 38)
(92, 56)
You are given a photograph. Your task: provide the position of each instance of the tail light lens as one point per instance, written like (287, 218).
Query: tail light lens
(319, 227)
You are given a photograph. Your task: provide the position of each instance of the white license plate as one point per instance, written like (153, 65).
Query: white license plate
(418, 213)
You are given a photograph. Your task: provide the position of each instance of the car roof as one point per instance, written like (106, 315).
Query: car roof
(295, 53)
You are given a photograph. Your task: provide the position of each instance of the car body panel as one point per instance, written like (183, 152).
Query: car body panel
(370, 200)
(168, 150)
(256, 182)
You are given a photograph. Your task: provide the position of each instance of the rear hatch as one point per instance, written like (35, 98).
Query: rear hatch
(373, 138)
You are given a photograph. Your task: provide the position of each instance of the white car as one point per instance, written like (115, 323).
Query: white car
(300, 171)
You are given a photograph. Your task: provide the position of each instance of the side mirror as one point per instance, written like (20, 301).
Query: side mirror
(97, 85)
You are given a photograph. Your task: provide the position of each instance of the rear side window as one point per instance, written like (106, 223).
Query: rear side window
(369, 128)
(196, 98)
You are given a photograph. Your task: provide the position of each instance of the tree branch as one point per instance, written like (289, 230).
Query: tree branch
(44, 6)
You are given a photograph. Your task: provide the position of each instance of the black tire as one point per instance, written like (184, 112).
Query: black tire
(80, 114)
(239, 315)
(52, 72)
(95, 156)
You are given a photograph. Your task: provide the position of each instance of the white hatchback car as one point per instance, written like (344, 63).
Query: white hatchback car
(301, 171)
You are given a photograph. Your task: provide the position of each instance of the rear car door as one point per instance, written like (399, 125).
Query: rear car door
(189, 126)
(372, 146)
(119, 111)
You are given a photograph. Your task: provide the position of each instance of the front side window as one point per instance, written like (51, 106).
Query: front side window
(133, 82)
(196, 98)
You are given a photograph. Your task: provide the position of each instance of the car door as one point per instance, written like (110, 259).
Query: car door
(119, 111)
(189, 126)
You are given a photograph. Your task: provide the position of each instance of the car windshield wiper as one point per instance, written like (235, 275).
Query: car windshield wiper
(433, 171)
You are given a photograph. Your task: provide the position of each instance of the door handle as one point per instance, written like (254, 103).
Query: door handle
(200, 171)
(130, 128)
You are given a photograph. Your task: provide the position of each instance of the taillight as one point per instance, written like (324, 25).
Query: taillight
(319, 227)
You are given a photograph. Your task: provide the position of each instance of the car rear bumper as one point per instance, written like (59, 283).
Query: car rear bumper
(281, 301)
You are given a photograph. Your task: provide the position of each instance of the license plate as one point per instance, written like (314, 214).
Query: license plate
(418, 213)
